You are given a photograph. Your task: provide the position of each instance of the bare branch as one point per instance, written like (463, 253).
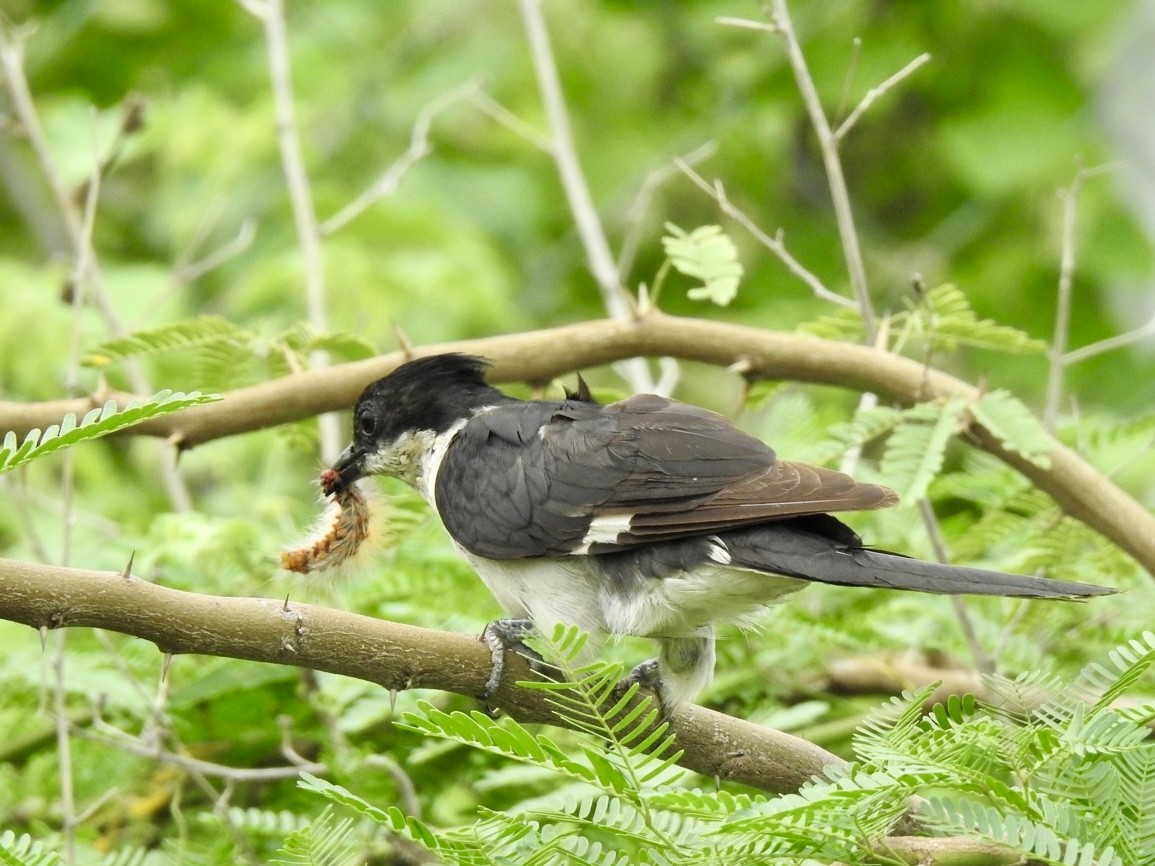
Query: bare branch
(1111, 343)
(246, 234)
(746, 24)
(540, 356)
(875, 93)
(133, 745)
(589, 226)
(12, 65)
(502, 115)
(1060, 358)
(774, 243)
(271, 13)
(392, 655)
(419, 148)
(828, 145)
(641, 203)
(1054, 395)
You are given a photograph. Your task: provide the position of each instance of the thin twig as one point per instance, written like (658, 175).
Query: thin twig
(1062, 333)
(419, 148)
(502, 115)
(599, 258)
(774, 243)
(271, 13)
(1111, 343)
(64, 750)
(875, 93)
(746, 24)
(230, 249)
(79, 280)
(1060, 358)
(981, 658)
(848, 82)
(645, 195)
(24, 109)
(115, 738)
(828, 145)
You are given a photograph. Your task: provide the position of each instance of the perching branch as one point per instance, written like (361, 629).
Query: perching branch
(540, 356)
(392, 655)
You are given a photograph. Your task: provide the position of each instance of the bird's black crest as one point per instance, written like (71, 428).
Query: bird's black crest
(425, 394)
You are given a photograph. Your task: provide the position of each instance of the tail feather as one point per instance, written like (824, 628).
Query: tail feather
(827, 551)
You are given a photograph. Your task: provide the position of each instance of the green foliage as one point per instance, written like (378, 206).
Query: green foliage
(96, 423)
(708, 254)
(945, 320)
(477, 240)
(1054, 771)
(225, 355)
(25, 851)
(323, 842)
(1013, 425)
(916, 448)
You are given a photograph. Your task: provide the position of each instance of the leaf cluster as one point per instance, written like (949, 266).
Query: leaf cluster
(1056, 772)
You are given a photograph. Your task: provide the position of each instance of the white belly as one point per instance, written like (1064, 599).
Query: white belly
(567, 590)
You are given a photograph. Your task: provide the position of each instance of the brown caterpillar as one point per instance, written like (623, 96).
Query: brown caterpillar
(349, 516)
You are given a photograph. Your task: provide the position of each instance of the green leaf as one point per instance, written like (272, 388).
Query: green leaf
(98, 422)
(323, 842)
(185, 334)
(915, 449)
(945, 317)
(867, 424)
(1010, 421)
(708, 254)
(25, 851)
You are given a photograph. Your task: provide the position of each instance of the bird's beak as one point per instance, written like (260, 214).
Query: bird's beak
(349, 466)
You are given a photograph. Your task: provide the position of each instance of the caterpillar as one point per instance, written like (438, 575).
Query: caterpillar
(347, 523)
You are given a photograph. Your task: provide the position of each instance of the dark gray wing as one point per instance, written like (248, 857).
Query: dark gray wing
(546, 479)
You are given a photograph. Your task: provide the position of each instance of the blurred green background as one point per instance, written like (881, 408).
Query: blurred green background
(954, 176)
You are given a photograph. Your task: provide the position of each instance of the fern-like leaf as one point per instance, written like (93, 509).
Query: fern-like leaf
(1032, 837)
(946, 318)
(509, 739)
(98, 422)
(708, 254)
(1009, 420)
(867, 425)
(185, 334)
(25, 851)
(323, 842)
(915, 450)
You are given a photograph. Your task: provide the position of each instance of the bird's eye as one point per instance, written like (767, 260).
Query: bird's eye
(366, 424)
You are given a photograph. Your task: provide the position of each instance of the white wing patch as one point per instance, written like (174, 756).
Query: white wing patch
(718, 552)
(604, 529)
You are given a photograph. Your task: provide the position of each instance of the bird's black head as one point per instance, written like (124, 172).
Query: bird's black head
(397, 418)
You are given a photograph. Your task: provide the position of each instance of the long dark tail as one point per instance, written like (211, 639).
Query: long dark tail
(822, 549)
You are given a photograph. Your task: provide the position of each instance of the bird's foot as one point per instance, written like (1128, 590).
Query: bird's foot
(507, 634)
(645, 676)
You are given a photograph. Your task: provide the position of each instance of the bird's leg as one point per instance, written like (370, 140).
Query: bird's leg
(507, 634)
(684, 666)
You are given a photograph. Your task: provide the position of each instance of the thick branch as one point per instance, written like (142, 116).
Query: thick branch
(539, 356)
(392, 655)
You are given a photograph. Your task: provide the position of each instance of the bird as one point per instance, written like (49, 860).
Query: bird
(647, 517)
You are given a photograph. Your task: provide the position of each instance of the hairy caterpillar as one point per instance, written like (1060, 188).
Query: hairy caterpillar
(348, 522)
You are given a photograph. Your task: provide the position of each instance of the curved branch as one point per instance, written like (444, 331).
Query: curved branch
(539, 356)
(392, 655)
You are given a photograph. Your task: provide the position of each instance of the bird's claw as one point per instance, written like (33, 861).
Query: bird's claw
(645, 676)
(501, 635)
